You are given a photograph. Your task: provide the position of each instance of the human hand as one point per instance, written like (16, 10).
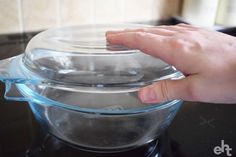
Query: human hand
(207, 58)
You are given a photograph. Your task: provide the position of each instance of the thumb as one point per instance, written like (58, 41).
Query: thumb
(166, 90)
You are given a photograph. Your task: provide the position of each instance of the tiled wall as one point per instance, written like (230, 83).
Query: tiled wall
(33, 15)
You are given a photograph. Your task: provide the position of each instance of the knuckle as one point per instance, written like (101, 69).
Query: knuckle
(192, 44)
(183, 24)
(134, 40)
(127, 29)
(138, 36)
(164, 94)
(175, 43)
(191, 92)
(185, 46)
(187, 27)
(196, 45)
(142, 29)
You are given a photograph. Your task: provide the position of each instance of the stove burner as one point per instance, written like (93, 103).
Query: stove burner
(50, 146)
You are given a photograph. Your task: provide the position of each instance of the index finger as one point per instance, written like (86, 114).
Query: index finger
(168, 49)
(151, 44)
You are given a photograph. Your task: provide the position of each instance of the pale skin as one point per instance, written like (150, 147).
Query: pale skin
(207, 58)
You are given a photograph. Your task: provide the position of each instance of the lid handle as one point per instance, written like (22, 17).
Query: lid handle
(4, 68)
(11, 70)
(12, 93)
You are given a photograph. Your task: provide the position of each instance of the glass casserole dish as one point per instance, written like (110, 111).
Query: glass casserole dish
(83, 90)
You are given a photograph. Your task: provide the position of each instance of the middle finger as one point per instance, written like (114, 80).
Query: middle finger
(152, 30)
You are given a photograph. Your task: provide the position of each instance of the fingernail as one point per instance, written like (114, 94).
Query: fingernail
(110, 38)
(148, 95)
(110, 35)
(112, 32)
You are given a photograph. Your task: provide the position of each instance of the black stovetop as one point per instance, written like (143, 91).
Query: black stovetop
(196, 131)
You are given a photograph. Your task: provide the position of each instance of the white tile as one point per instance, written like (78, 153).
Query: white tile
(137, 10)
(39, 14)
(74, 12)
(164, 9)
(109, 11)
(9, 17)
(200, 12)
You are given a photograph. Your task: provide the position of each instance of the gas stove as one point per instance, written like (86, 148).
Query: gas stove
(198, 130)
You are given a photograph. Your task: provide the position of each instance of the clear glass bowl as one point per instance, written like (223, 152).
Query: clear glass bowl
(79, 60)
(84, 90)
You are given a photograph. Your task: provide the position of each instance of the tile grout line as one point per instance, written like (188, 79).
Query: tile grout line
(21, 22)
(94, 11)
(58, 13)
(122, 10)
(20, 16)
(151, 10)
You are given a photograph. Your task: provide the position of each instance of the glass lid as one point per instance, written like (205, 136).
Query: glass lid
(81, 56)
(75, 68)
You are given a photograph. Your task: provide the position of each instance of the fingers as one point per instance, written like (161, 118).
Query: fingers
(161, 43)
(179, 27)
(168, 90)
(153, 30)
(167, 49)
(149, 43)
(159, 30)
